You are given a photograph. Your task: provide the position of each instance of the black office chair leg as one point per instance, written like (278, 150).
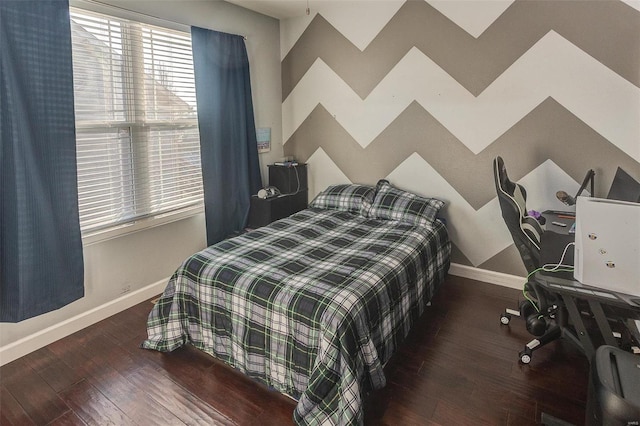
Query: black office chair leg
(505, 317)
(553, 333)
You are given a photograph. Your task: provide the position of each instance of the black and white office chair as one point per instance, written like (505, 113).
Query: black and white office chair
(541, 310)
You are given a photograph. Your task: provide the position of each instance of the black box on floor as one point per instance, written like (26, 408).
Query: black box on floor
(614, 388)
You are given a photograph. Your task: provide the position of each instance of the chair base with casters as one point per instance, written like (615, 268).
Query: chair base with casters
(545, 325)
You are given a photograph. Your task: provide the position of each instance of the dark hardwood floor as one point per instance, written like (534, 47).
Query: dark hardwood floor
(458, 366)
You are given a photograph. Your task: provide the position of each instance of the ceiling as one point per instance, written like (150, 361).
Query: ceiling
(280, 9)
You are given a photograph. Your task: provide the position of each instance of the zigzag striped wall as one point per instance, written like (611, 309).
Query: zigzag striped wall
(427, 93)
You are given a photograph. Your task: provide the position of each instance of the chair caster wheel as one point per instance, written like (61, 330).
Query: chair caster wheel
(525, 356)
(505, 319)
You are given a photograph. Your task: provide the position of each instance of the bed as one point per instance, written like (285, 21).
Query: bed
(315, 304)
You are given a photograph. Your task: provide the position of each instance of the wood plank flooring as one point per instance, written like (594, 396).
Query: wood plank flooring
(458, 366)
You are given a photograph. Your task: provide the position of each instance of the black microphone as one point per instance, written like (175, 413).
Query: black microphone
(565, 198)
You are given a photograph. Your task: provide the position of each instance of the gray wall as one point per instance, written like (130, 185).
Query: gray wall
(426, 94)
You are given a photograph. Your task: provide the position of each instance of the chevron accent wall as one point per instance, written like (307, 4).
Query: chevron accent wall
(427, 93)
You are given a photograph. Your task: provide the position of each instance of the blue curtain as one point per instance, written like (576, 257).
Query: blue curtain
(41, 265)
(228, 147)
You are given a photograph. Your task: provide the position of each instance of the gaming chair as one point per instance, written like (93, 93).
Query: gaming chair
(540, 309)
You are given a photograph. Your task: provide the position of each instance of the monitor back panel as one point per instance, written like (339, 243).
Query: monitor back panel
(624, 187)
(607, 249)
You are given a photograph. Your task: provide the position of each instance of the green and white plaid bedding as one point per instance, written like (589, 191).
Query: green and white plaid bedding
(312, 305)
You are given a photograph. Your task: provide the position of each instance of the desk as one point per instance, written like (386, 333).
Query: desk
(571, 291)
(566, 218)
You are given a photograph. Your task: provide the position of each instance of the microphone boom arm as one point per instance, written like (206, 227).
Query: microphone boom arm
(568, 199)
(590, 177)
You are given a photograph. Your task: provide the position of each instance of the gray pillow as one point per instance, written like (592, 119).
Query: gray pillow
(352, 198)
(395, 204)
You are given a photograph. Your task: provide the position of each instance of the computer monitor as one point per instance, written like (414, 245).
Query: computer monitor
(624, 187)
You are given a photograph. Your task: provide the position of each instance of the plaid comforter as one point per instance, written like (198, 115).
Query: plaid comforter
(312, 305)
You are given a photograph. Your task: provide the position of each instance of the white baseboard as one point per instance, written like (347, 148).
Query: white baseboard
(491, 277)
(49, 335)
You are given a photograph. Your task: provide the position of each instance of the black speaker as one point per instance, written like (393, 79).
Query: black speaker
(288, 179)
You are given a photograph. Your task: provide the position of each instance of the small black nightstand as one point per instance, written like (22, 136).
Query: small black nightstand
(291, 181)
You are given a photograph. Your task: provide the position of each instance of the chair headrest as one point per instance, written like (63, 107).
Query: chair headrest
(502, 181)
(512, 197)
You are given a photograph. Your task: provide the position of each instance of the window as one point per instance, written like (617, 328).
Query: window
(138, 144)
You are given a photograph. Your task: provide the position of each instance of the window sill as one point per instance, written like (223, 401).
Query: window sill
(95, 237)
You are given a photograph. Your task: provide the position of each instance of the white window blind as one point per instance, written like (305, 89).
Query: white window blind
(138, 144)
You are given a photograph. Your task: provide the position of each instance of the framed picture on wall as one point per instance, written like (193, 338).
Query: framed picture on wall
(263, 135)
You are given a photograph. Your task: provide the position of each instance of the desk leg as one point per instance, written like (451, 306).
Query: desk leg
(603, 323)
(576, 320)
